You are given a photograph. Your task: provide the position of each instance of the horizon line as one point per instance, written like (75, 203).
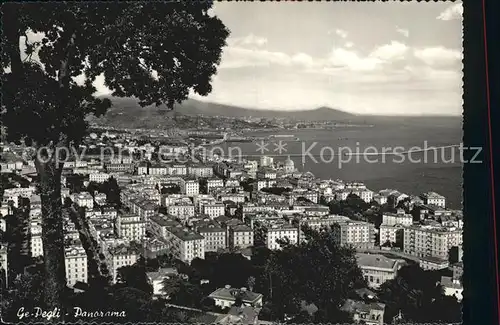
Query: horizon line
(302, 109)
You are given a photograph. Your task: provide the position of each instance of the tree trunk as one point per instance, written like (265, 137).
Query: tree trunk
(52, 235)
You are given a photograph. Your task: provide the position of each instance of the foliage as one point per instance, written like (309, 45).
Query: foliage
(251, 282)
(276, 190)
(316, 271)
(110, 188)
(182, 292)
(419, 297)
(175, 189)
(134, 276)
(154, 51)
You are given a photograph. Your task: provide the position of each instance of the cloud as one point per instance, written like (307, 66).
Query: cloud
(237, 57)
(341, 33)
(341, 57)
(455, 11)
(349, 45)
(249, 40)
(404, 32)
(436, 56)
(303, 59)
(388, 52)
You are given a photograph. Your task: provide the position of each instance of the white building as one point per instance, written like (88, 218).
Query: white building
(181, 210)
(184, 244)
(433, 198)
(190, 187)
(393, 234)
(36, 238)
(377, 269)
(241, 236)
(354, 233)
(84, 199)
(429, 241)
(131, 227)
(266, 173)
(158, 170)
(119, 256)
(76, 265)
(226, 297)
(215, 236)
(99, 177)
(200, 171)
(177, 170)
(213, 210)
(392, 219)
(214, 183)
(266, 161)
(142, 169)
(452, 287)
(4, 265)
(275, 232)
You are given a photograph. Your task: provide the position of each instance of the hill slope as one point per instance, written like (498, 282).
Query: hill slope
(126, 112)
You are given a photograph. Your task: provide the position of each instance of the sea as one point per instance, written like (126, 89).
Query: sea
(355, 154)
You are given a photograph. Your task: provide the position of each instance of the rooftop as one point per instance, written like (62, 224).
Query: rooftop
(360, 306)
(229, 293)
(241, 228)
(184, 234)
(375, 261)
(161, 273)
(447, 281)
(432, 259)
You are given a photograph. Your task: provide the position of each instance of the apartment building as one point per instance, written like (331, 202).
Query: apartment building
(158, 169)
(266, 173)
(355, 233)
(235, 197)
(190, 187)
(131, 227)
(213, 210)
(273, 232)
(84, 199)
(392, 219)
(241, 236)
(393, 234)
(431, 241)
(185, 244)
(183, 210)
(177, 169)
(214, 183)
(200, 171)
(4, 265)
(119, 256)
(75, 260)
(36, 244)
(214, 234)
(99, 177)
(158, 225)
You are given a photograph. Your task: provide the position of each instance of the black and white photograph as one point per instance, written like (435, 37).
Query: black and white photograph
(232, 162)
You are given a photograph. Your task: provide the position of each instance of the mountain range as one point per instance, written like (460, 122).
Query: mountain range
(125, 110)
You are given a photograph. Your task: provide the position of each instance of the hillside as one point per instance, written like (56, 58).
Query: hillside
(126, 112)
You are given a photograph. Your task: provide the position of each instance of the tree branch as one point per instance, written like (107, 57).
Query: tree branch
(63, 76)
(11, 30)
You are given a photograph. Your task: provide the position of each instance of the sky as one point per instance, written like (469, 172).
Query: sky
(391, 58)
(365, 58)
